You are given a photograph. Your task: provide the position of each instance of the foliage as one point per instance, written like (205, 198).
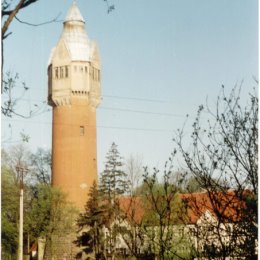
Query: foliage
(113, 180)
(9, 213)
(113, 183)
(163, 210)
(46, 211)
(14, 163)
(60, 221)
(224, 161)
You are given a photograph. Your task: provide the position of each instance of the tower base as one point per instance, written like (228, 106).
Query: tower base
(61, 248)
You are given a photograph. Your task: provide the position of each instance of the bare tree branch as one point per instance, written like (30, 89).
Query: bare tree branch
(39, 24)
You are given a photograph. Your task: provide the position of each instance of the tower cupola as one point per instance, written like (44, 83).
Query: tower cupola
(74, 64)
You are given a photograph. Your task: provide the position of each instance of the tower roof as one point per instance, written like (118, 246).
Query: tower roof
(74, 14)
(75, 38)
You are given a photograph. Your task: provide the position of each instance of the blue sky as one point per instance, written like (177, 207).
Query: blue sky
(163, 57)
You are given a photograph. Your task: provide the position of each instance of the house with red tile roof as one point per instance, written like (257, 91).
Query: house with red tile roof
(211, 222)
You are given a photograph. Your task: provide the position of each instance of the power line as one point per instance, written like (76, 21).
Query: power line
(142, 99)
(110, 96)
(136, 129)
(136, 98)
(98, 126)
(131, 111)
(142, 112)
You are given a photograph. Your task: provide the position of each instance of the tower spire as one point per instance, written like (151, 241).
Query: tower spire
(74, 14)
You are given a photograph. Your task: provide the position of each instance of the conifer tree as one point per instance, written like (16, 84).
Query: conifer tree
(113, 179)
(90, 223)
(113, 183)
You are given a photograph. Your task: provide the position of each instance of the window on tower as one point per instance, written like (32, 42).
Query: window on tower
(66, 71)
(61, 72)
(81, 130)
(56, 73)
(95, 74)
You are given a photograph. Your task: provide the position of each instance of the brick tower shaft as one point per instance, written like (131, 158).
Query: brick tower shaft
(74, 150)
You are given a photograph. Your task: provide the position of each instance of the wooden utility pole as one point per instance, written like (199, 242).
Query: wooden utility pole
(21, 170)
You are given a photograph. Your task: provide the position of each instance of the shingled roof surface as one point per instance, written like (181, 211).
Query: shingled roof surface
(226, 206)
(133, 208)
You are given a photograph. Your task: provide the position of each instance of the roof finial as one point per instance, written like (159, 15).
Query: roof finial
(74, 14)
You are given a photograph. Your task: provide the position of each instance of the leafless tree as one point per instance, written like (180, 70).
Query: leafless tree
(223, 159)
(167, 216)
(134, 171)
(40, 163)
